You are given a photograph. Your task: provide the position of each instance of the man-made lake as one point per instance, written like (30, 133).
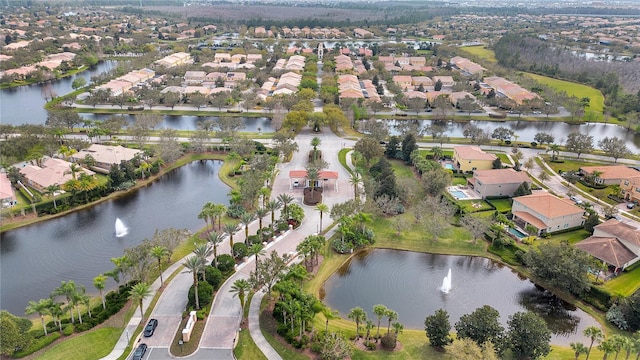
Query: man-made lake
(409, 283)
(185, 122)
(25, 104)
(79, 246)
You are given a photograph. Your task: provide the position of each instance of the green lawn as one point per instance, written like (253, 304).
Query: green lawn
(246, 349)
(470, 206)
(574, 89)
(504, 158)
(501, 205)
(568, 165)
(92, 345)
(572, 237)
(625, 284)
(481, 52)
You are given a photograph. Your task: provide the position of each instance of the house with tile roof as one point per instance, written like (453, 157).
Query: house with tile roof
(106, 155)
(497, 182)
(546, 212)
(614, 242)
(53, 172)
(472, 158)
(609, 174)
(7, 192)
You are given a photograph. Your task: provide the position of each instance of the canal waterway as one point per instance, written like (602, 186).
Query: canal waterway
(79, 246)
(410, 282)
(25, 104)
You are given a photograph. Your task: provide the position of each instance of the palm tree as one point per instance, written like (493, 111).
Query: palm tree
(56, 312)
(355, 180)
(245, 220)
(315, 142)
(322, 209)
(257, 250)
(285, 200)
(313, 174)
(204, 214)
(42, 308)
(397, 327)
(138, 293)
(391, 316)
(380, 311)
(272, 206)
(363, 218)
(261, 213)
(122, 263)
(358, 315)
(51, 190)
(193, 265)
(218, 212)
(578, 348)
(215, 239)
(159, 252)
(555, 151)
(594, 334)
(231, 229)
(265, 192)
(69, 290)
(241, 288)
(202, 252)
(618, 342)
(99, 283)
(608, 346)
(73, 170)
(369, 325)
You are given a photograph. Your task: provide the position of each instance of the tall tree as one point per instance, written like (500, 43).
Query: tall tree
(481, 326)
(245, 220)
(528, 335)
(322, 209)
(437, 327)
(241, 288)
(614, 147)
(256, 250)
(215, 239)
(194, 265)
(42, 308)
(159, 253)
(594, 334)
(380, 311)
(579, 143)
(99, 282)
(138, 293)
(358, 315)
(369, 148)
(231, 229)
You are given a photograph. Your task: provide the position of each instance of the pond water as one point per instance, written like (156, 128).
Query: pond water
(184, 122)
(79, 246)
(409, 282)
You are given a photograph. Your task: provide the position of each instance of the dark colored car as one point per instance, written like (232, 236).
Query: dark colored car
(139, 353)
(150, 328)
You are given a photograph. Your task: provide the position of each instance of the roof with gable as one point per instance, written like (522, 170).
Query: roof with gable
(549, 205)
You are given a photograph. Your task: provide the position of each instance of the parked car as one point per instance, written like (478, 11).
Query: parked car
(140, 351)
(631, 206)
(150, 328)
(576, 200)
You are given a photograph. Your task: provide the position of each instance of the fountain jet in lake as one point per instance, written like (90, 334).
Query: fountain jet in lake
(121, 229)
(446, 283)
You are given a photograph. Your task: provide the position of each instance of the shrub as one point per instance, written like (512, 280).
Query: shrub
(68, 330)
(616, 317)
(371, 345)
(389, 341)
(254, 239)
(214, 277)
(316, 347)
(39, 344)
(225, 263)
(239, 250)
(205, 294)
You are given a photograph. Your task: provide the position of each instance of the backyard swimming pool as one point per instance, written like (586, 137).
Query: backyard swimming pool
(458, 194)
(449, 166)
(518, 233)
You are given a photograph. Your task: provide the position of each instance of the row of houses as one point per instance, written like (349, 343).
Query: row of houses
(466, 66)
(294, 63)
(175, 59)
(236, 58)
(349, 87)
(50, 62)
(407, 82)
(510, 90)
(124, 83)
(394, 63)
(345, 64)
(230, 79)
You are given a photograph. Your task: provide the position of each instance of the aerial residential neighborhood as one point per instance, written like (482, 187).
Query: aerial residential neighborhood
(322, 180)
